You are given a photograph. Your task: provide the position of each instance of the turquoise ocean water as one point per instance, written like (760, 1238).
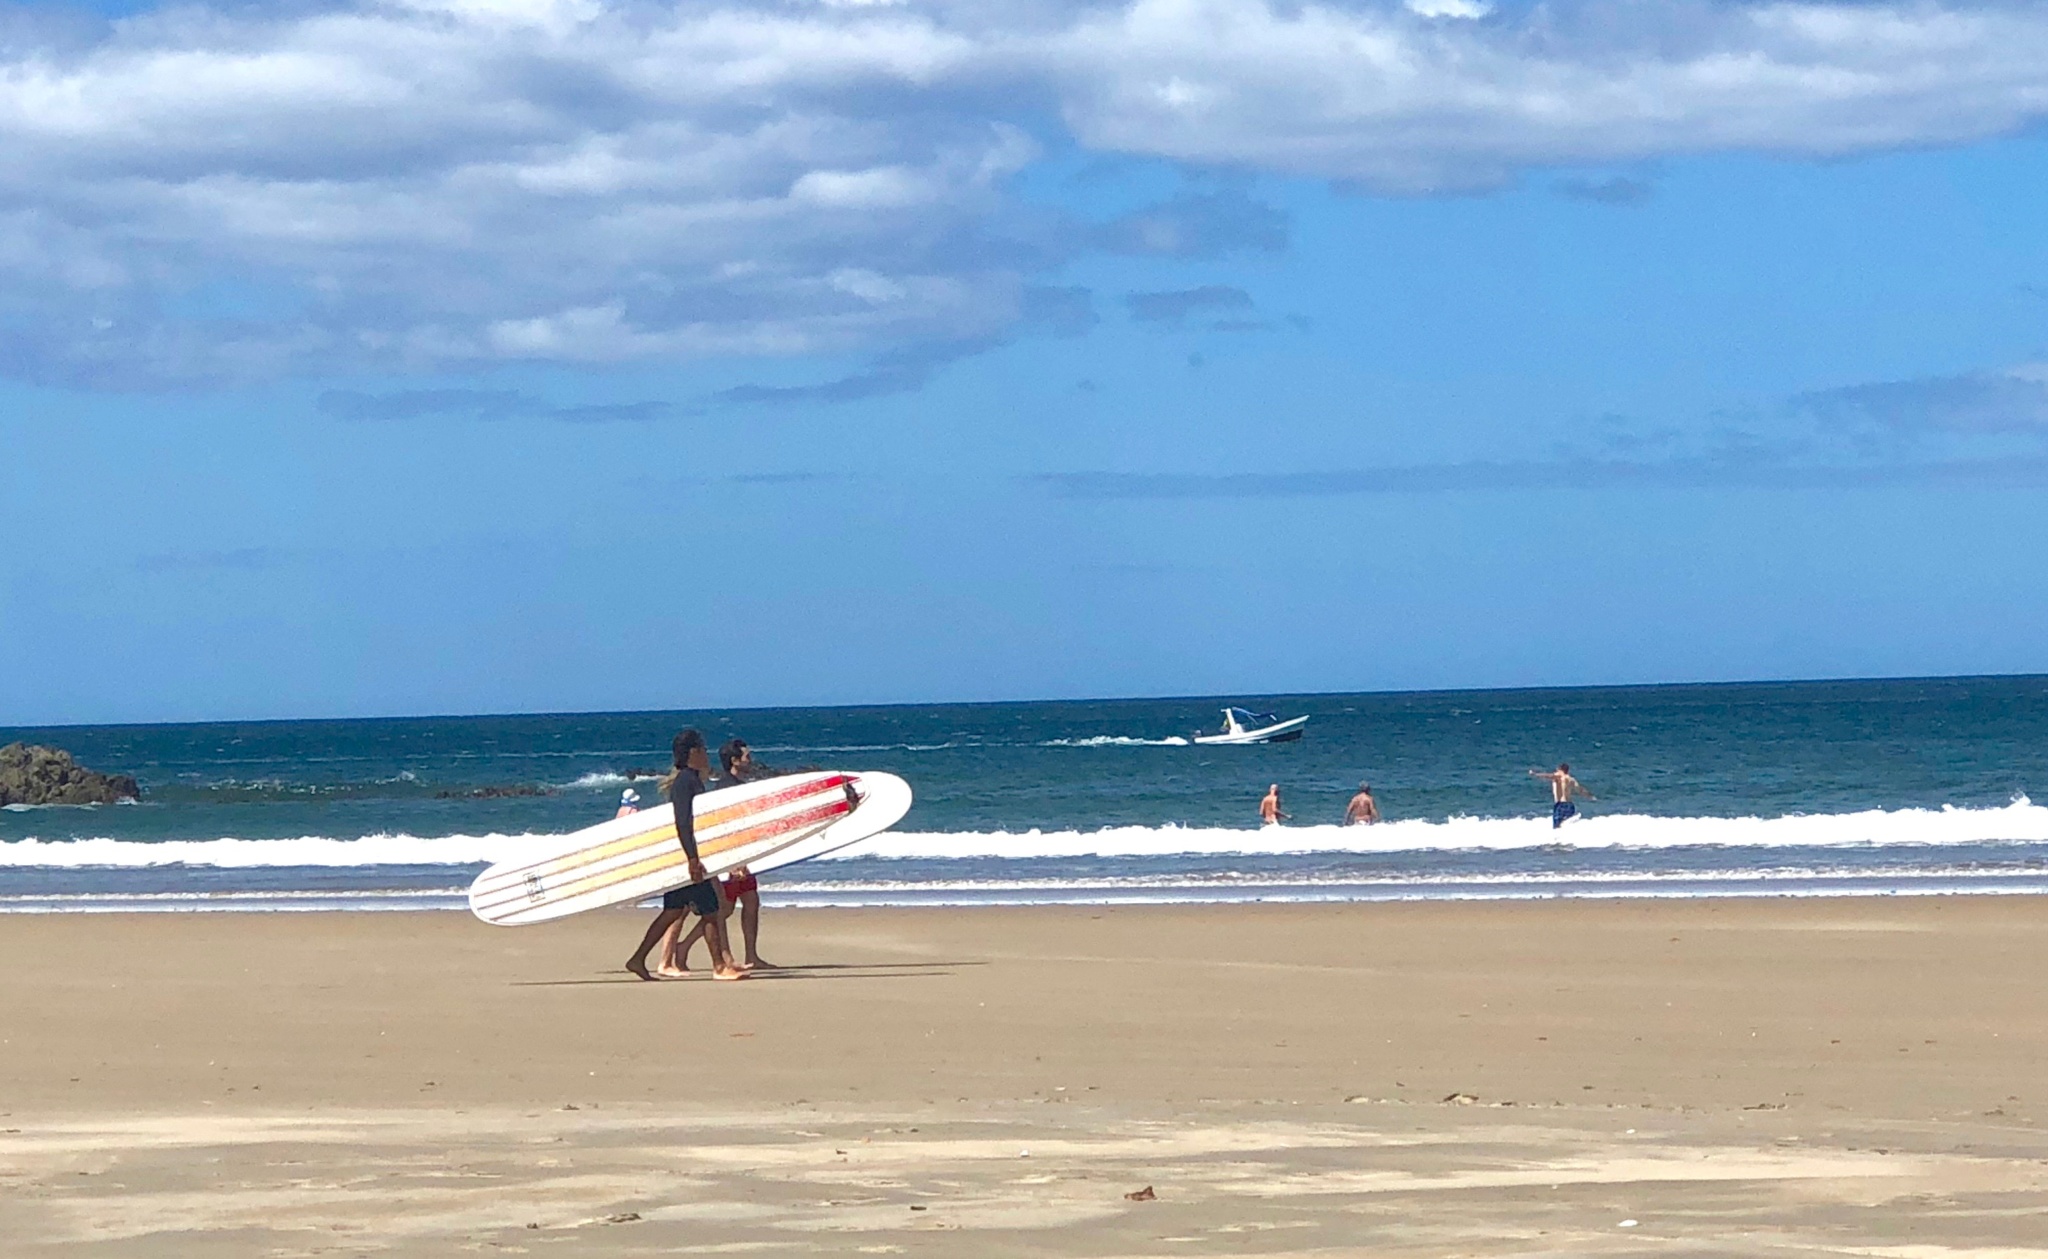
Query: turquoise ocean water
(1784, 788)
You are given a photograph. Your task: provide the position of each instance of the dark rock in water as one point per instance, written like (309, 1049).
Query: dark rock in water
(32, 774)
(493, 793)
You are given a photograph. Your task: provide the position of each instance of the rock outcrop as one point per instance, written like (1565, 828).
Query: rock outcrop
(32, 774)
(493, 793)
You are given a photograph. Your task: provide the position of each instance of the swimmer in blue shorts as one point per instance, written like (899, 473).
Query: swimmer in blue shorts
(1562, 788)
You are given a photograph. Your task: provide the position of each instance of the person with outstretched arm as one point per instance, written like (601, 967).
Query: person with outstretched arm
(1562, 788)
(684, 784)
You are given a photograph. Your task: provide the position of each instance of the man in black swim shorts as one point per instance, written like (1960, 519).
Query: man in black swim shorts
(700, 896)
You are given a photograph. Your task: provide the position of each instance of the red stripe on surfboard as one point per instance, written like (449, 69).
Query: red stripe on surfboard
(562, 863)
(575, 886)
(670, 860)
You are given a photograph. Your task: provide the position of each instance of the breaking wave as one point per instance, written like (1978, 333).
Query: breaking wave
(2019, 822)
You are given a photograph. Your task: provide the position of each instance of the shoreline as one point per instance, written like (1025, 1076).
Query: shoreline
(1012, 894)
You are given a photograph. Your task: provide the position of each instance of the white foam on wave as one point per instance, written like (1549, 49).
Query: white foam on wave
(1116, 741)
(123, 802)
(2021, 821)
(601, 778)
(307, 850)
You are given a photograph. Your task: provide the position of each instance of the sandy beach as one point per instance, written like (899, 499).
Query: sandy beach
(1833, 1077)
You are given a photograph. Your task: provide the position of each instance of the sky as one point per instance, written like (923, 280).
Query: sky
(445, 356)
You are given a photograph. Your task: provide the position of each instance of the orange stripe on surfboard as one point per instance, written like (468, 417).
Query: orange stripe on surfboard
(580, 884)
(562, 863)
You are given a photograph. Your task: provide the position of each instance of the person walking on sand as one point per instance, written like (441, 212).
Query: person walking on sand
(1362, 811)
(684, 784)
(740, 888)
(1269, 808)
(1562, 788)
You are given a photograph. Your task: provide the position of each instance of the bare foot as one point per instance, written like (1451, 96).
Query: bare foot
(728, 974)
(638, 967)
(671, 972)
(755, 963)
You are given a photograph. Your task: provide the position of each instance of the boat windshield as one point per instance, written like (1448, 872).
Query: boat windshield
(1246, 719)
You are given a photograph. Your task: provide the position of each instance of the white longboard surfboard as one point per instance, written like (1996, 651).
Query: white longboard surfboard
(633, 857)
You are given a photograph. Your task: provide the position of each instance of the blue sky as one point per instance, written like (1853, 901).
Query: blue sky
(502, 355)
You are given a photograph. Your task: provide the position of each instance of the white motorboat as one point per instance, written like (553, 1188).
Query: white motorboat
(1241, 725)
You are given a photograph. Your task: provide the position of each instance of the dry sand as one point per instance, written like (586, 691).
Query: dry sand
(1786, 1077)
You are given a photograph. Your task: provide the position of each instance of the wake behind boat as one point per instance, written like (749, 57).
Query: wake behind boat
(1241, 725)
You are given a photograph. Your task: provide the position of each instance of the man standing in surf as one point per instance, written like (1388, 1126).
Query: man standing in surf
(1363, 809)
(700, 896)
(1269, 808)
(1562, 788)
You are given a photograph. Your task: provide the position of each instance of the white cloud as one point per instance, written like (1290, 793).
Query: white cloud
(1375, 97)
(447, 182)
(1468, 9)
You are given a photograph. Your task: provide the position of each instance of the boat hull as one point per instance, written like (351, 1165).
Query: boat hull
(1279, 732)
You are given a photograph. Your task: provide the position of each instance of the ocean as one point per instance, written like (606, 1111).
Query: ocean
(1870, 787)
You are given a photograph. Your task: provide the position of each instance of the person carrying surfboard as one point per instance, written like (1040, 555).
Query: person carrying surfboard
(740, 888)
(684, 784)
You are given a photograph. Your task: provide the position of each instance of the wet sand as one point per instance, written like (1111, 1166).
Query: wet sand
(1798, 1077)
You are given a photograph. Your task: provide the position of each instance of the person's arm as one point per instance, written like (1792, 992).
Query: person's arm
(683, 799)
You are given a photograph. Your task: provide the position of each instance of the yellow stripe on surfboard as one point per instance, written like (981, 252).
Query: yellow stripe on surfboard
(563, 863)
(673, 858)
(514, 885)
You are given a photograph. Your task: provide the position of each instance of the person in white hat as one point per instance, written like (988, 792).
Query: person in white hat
(629, 802)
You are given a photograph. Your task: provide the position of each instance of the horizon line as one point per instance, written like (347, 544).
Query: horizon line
(1696, 684)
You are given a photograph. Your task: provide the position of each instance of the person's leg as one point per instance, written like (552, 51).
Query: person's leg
(721, 955)
(750, 927)
(678, 955)
(726, 907)
(655, 931)
(669, 963)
